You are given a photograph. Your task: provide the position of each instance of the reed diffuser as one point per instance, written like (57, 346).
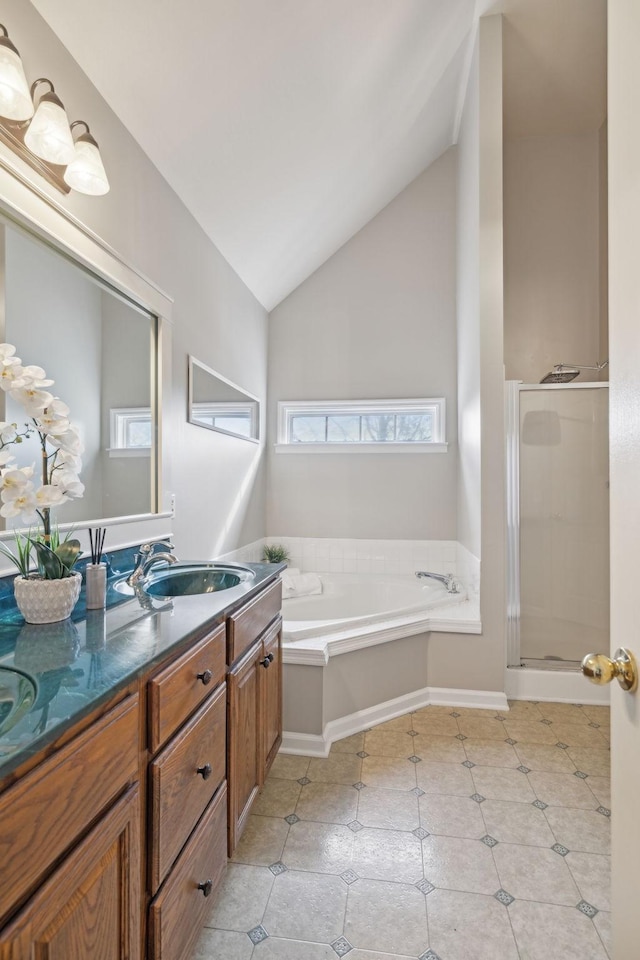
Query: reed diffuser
(96, 571)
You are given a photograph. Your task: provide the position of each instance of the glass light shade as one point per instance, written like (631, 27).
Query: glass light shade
(86, 172)
(49, 136)
(15, 99)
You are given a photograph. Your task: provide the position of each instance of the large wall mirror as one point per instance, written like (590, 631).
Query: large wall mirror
(218, 404)
(99, 347)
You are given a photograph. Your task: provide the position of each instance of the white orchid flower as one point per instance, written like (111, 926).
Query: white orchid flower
(60, 440)
(24, 506)
(49, 495)
(34, 400)
(37, 376)
(67, 460)
(58, 408)
(8, 431)
(73, 489)
(11, 376)
(13, 483)
(52, 423)
(69, 442)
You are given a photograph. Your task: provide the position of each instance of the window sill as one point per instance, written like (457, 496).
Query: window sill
(361, 447)
(129, 451)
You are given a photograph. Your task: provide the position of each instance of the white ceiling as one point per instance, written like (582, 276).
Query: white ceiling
(286, 125)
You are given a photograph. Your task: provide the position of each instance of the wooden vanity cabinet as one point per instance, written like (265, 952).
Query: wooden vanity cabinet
(114, 844)
(255, 724)
(187, 795)
(89, 908)
(83, 888)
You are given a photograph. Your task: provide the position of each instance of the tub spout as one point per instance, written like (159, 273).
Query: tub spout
(450, 582)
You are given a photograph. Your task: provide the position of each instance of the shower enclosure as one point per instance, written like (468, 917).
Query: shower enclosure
(558, 522)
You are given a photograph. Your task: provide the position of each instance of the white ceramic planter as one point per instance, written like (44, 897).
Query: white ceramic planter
(46, 601)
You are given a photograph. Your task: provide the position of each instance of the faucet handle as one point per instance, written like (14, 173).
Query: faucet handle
(149, 548)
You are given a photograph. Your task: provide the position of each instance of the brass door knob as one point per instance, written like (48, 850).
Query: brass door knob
(599, 668)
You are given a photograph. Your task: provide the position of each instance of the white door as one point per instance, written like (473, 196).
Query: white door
(624, 333)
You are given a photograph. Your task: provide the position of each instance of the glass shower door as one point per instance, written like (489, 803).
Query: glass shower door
(564, 522)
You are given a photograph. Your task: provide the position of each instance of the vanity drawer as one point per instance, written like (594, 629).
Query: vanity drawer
(176, 691)
(246, 626)
(48, 809)
(177, 914)
(183, 779)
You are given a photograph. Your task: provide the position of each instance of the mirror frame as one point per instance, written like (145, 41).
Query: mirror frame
(24, 204)
(255, 419)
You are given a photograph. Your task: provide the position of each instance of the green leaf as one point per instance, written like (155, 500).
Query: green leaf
(68, 552)
(57, 564)
(51, 567)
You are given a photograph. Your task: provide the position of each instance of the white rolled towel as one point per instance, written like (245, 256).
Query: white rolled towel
(300, 584)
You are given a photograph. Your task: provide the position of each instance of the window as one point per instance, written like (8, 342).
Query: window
(239, 419)
(363, 426)
(130, 431)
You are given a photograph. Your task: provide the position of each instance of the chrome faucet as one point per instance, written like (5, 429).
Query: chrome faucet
(147, 556)
(450, 582)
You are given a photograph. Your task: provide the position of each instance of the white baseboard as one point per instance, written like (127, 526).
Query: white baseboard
(524, 683)
(318, 745)
(304, 744)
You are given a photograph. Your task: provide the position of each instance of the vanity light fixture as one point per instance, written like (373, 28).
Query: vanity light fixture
(43, 137)
(49, 135)
(86, 172)
(15, 99)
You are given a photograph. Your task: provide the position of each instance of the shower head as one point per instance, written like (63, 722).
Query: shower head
(565, 372)
(561, 373)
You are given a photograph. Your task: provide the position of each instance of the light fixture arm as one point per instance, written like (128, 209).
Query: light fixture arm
(84, 124)
(6, 40)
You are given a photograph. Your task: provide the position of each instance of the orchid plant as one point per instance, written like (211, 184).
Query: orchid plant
(60, 448)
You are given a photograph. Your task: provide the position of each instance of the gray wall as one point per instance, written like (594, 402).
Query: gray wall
(377, 320)
(481, 493)
(555, 254)
(45, 294)
(219, 480)
(126, 382)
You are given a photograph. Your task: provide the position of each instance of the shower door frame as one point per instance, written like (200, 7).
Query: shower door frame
(513, 389)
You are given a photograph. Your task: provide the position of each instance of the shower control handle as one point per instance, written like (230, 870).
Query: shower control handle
(600, 669)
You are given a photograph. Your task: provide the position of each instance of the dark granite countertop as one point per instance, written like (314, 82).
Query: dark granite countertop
(80, 662)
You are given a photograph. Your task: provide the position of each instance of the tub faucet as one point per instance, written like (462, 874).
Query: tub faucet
(147, 556)
(450, 582)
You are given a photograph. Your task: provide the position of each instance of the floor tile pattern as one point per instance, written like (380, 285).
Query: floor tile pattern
(444, 834)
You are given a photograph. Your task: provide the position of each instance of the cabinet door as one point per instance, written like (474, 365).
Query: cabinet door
(89, 909)
(178, 913)
(271, 694)
(244, 756)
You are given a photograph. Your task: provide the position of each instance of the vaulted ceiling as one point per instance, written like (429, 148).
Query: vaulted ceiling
(286, 125)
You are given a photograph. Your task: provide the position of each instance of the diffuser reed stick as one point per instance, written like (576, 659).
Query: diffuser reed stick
(96, 573)
(96, 542)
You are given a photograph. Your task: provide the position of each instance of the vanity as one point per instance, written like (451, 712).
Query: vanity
(118, 814)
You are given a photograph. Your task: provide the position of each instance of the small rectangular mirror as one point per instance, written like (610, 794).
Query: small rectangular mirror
(217, 404)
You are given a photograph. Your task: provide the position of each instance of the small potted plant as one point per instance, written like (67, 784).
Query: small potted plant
(49, 592)
(275, 553)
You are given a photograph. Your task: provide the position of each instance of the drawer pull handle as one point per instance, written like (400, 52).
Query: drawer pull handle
(267, 660)
(205, 676)
(205, 772)
(206, 887)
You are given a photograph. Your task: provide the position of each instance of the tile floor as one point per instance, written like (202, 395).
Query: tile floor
(445, 834)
